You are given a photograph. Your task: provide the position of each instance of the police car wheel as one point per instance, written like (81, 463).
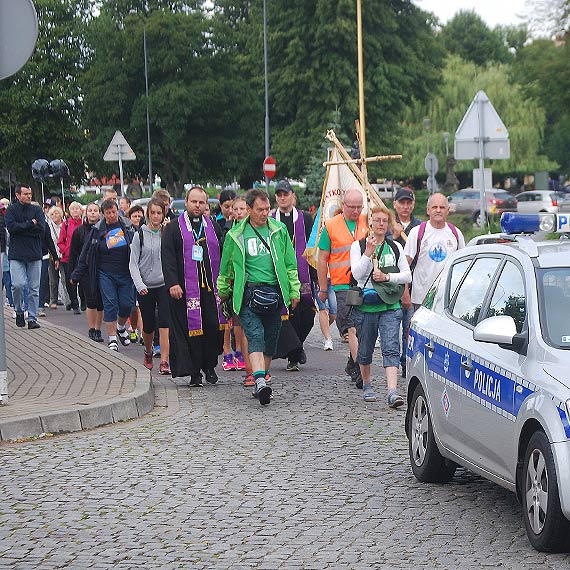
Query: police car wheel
(427, 463)
(547, 528)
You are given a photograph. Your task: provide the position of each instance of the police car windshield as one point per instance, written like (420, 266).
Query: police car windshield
(554, 295)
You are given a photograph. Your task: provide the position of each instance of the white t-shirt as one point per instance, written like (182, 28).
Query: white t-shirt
(436, 246)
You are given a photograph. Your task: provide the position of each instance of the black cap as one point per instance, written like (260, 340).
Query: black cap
(404, 194)
(283, 186)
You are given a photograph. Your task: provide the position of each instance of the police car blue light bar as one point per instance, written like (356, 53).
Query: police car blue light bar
(514, 223)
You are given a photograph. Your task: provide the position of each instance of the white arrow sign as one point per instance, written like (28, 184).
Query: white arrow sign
(120, 150)
(483, 120)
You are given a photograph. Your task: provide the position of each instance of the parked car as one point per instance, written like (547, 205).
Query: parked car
(468, 201)
(534, 201)
(488, 355)
(179, 205)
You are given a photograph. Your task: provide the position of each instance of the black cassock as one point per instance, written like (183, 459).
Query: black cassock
(189, 355)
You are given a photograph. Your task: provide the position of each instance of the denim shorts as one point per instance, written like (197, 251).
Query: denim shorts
(118, 295)
(261, 331)
(369, 326)
(330, 303)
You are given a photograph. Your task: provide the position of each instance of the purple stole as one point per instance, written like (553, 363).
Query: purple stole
(300, 243)
(191, 280)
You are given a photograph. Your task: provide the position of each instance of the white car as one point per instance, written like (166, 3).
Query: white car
(488, 356)
(535, 201)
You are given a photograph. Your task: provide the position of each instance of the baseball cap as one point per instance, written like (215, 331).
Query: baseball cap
(49, 202)
(404, 194)
(283, 186)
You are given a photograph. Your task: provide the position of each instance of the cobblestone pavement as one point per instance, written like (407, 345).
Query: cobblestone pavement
(317, 479)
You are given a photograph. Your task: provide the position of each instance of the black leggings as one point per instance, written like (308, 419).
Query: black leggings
(155, 299)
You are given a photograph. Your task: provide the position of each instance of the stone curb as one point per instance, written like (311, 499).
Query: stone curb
(79, 417)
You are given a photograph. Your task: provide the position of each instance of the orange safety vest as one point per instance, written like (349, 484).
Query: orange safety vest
(341, 241)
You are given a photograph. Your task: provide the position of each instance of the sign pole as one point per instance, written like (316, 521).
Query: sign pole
(121, 170)
(482, 209)
(362, 119)
(266, 88)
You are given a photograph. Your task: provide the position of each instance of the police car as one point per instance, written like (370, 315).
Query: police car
(488, 361)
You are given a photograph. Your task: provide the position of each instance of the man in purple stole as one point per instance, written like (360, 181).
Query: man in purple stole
(299, 225)
(191, 253)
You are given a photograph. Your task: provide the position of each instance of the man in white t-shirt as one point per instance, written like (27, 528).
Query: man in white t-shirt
(437, 240)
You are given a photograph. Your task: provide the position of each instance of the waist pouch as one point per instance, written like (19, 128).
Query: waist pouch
(263, 299)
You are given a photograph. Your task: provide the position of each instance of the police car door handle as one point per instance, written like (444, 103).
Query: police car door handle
(466, 365)
(430, 345)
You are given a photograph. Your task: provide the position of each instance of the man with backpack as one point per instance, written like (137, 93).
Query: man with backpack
(429, 245)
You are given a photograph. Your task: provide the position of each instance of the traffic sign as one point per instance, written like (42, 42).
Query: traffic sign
(18, 35)
(119, 149)
(431, 164)
(269, 167)
(481, 121)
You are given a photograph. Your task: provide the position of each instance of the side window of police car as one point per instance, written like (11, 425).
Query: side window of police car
(509, 296)
(473, 290)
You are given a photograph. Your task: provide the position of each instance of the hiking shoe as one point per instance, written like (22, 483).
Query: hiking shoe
(292, 366)
(368, 394)
(228, 363)
(395, 400)
(196, 380)
(91, 334)
(328, 344)
(33, 325)
(134, 336)
(249, 381)
(76, 311)
(262, 392)
(20, 321)
(123, 337)
(239, 361)
(148, 360)
(303, 357)
(97, 335)
(211, 376)
(164, 367)
(113, 345)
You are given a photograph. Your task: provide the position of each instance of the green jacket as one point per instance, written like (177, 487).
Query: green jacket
(232, 270)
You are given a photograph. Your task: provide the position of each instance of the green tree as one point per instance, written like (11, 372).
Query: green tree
(523, 117)
(40, 105)
(469, 37)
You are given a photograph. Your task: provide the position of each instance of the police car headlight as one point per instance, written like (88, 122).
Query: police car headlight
(547, 222)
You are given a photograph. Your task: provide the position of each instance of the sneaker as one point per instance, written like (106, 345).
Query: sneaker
(148, 360)
(156, 351)
(41, 313)
(67, 307)
(20, 320)
(196, 380)
(123, 337)
(76, 311)
(249, 381)
(328, 344)
(239, 360)
(262, 392)
(164, 367)
(228, 363)
(211, 376)
(292, 366)
(97, 335)
(113, 345)
(33, 325)
(303, 357)
(91, 334)
(368, 394)
(395, 400)
(134, 337)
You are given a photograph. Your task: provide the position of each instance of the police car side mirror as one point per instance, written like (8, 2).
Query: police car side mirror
(501, 330)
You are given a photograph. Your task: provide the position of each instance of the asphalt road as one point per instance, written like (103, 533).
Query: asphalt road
(317, 479)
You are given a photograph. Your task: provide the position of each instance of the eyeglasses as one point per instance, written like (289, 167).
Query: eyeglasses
(380, 221)
(350, 207)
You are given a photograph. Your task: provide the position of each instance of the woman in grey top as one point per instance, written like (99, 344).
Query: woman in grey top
(146, 270)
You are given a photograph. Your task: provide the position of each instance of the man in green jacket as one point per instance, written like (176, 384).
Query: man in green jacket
(258, 258)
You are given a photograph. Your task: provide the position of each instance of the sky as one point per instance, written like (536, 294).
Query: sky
(493, 12)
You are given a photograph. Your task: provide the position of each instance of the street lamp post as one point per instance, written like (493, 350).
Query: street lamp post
(147, 113)
(446, 139)
(427, 127)
(266, 87)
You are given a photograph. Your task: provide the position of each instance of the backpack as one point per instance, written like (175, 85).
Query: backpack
(141, 239)
(421, 232)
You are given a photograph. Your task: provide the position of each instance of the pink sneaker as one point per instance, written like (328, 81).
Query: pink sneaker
(228, 363)
(239, 361)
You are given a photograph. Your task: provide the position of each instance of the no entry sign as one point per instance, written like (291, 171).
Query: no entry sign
(269, 167)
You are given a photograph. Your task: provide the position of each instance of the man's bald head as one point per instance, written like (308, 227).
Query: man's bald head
(352, 204)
